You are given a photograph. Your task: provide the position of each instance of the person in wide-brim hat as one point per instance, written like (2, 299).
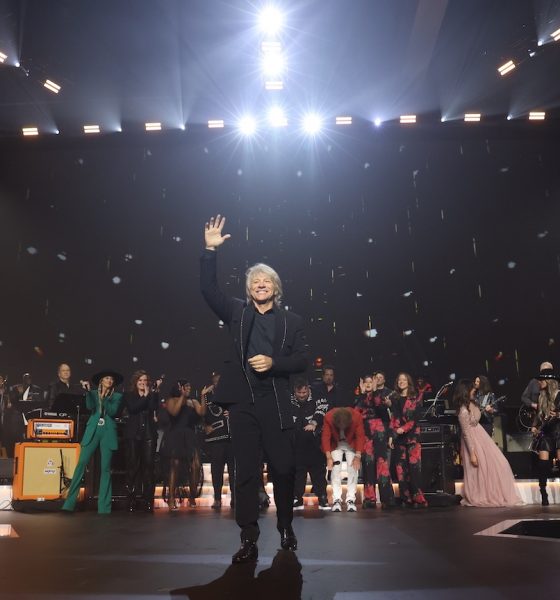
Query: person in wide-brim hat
(545, 374)
(100, 432)
(117, 377)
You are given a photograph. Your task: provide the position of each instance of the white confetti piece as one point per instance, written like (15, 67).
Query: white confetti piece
(408, 332)
(511, 264)
(370, 333)
(407, 294)
(61, 256)
(138, 321)
(32, 250)
(433, 339)
(88, 361)
(165, 345)
(452, 376)
(240, 172)
(116, 280)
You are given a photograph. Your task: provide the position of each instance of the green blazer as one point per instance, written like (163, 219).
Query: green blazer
(111, 407)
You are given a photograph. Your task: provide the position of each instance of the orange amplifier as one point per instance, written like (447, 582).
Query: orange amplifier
(50, 429)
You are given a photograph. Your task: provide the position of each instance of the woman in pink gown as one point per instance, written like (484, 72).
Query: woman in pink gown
(488, 480)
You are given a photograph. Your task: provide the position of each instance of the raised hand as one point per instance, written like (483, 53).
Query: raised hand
(213, 232)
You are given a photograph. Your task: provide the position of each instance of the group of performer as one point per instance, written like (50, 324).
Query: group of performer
(250, 414)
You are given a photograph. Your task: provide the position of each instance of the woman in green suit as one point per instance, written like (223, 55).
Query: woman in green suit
(101, 430)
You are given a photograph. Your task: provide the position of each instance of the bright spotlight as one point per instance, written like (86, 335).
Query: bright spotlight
(91, 129)
(555, 35)
(270, 20)
(29, 131)
(3, 57)
(312, 124)
(377, 122)
(216, 124)
(537, 115)
(247, 126)
(472, 117)
(408, 119)
(343, 120)
(52, 86)
(273, 64)
(153, 126)
(273, 85)
(277, 117)
(506, 68)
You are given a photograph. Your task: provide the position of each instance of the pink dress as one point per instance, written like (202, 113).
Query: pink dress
(492, 482)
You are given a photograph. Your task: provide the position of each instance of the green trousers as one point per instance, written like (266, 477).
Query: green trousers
(105, 484)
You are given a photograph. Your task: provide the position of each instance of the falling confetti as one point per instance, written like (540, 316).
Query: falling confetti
(38, 351)
(370, 333)
(499, 356)
(134, 359)
(451, 271)
(433, 339)
(61, 256)
(240, 172)
(165, 345)
(116, 280)
(176, 238)
(88, 361)
(128, 257)
(206, 151)
(504, 169)
(407, 294)
(299, 173)
(32, 250)
(358, 295)
(138, 321)
(408, 332)
(366, 165)
(511, 264)
(542, 235)
(452, 376)
(426, 363)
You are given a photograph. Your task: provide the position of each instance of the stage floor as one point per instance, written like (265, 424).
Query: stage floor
(432, 553)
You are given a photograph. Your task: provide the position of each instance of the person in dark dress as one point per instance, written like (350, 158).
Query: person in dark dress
(179, 418)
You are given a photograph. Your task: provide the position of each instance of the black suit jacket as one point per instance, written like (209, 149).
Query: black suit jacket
(289, 353)
(141, 410)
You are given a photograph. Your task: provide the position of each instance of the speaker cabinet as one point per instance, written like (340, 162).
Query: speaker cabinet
(437, 469)
(40, 469)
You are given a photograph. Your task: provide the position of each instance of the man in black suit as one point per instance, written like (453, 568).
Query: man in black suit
(268, 345)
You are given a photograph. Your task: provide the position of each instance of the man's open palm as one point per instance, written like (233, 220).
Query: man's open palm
(213, 232)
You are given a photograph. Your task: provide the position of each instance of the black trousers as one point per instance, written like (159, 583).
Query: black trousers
(309, 459)
(140, 463)
(255, 431)
(221, 453)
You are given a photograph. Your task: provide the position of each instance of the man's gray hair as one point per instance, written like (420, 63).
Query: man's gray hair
(269, 272)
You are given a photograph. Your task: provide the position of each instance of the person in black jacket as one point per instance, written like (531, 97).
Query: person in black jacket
(140, 405)
(309, 412)
(268, 344)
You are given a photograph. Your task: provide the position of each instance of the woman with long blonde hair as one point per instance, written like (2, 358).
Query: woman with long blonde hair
(546, 427)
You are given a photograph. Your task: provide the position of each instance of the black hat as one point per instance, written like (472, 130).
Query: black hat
(546, 374)
(117, 377)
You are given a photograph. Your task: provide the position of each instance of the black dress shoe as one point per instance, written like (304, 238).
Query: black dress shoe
(247, 553)
(288, 539)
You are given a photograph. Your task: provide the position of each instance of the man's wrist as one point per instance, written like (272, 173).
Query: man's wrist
(211, 248)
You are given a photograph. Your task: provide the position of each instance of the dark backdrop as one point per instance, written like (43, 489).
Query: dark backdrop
(446, 244)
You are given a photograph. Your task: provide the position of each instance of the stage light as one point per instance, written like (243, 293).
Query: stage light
(377, 122)
(28, 131)
(91, 129)
(269, 47)
(312, 123)
(472, 117)
(247, 125)
(555, 35)
(270, 20)
(216, 124)
(407, 119)
(343, 120)
(3, 57)
(537, 115)
(273, 64)
(153, 126)
(276, 117)
(273, 85)
(506, 68)
(52, 86)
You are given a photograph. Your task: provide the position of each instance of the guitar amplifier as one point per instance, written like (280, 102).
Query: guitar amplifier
(50, 429)
(40, 469)
(437, 433)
